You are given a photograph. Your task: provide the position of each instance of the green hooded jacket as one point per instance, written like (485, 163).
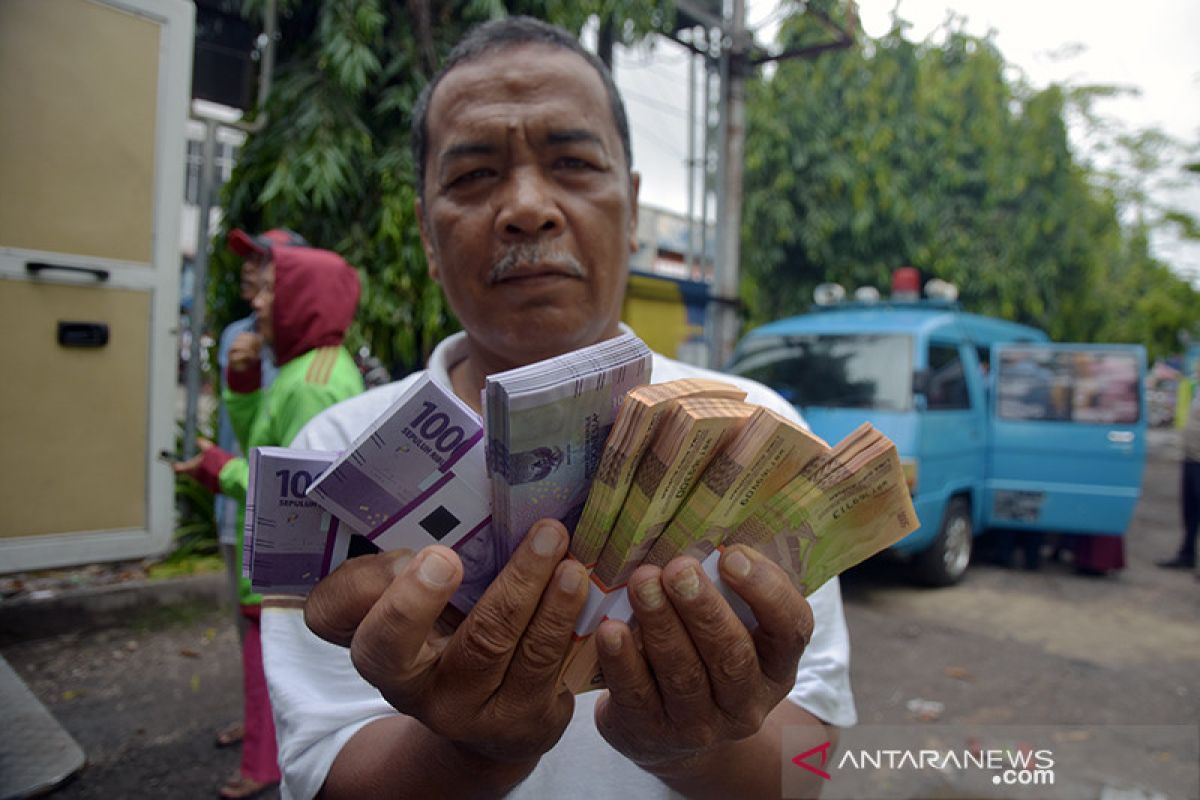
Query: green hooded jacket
(315, 296)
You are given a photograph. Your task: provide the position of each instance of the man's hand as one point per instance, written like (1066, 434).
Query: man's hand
(192, 465)
(491, 686)
(700, 681)
(244, 352)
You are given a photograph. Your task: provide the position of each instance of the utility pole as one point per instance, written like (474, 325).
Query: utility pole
(723, 302)
(736, 57)
(706, 178)
(690, 256)
(199, 286)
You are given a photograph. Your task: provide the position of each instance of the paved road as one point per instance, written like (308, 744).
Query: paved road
(1008, 646)
(1045, 647)
(143, 702)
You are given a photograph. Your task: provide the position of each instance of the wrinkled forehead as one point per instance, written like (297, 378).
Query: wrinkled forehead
(519, 85)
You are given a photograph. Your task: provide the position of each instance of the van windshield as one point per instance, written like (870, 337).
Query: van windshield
(832, 370)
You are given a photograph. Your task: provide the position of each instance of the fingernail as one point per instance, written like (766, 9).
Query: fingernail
(610, 640)
(737, 565)
(687, 583)
(570, 578)
(650, 593)
(545, 540)
(435, 571)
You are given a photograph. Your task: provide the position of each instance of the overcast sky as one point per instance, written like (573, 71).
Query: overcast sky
(1153, 46)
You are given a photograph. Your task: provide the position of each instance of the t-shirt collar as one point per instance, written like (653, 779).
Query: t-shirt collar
(453, 349)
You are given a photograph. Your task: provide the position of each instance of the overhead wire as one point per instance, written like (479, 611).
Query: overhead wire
(670, 147)
(655, 103)
(650, 58)
(781, 9)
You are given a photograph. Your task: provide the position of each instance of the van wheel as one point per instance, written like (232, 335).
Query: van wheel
(945, 561)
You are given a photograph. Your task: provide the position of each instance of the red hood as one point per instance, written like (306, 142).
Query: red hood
(316, 293)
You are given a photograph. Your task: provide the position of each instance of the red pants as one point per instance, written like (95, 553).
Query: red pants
(260, 758)
(1095, 553)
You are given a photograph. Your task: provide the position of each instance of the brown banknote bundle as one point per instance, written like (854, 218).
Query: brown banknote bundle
(689, 470)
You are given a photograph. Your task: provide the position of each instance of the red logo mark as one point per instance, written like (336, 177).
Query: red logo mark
(823, 749)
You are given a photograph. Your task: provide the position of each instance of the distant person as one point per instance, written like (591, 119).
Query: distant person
(1189, 490)
(255, 252)
(303, 308)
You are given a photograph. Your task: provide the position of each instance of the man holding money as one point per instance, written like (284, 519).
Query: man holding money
(528, 204)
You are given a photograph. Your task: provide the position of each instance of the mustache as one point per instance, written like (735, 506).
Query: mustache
(516, 255)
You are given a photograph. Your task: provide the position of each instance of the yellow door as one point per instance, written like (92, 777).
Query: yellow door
(93, 102)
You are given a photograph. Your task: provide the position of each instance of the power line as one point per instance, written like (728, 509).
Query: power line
(649, 59)
(657, 68)
(780, 11)
(655, 103)
(670, 147)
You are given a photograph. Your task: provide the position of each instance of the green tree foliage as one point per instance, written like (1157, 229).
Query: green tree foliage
(897, 152)
(333, 161)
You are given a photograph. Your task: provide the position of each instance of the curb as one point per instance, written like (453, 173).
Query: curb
(111, 606)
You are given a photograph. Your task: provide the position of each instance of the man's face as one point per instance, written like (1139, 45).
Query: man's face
(264, 301)
(530, 212)
(250, 278)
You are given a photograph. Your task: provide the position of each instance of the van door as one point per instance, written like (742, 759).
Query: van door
(93, 101)
(951, 453)
(1068, 437)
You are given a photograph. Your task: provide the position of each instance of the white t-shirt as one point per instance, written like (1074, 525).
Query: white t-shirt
(319, 700)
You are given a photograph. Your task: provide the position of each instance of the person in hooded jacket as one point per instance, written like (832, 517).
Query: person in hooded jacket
(255, 252)
(307, 301)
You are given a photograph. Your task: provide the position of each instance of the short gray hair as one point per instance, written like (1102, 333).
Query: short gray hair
(497, 35)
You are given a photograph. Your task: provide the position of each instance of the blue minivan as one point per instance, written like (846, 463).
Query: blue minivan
(998, 428)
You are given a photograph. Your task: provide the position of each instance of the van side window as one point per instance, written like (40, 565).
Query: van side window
(947, 384)
(1092, 386)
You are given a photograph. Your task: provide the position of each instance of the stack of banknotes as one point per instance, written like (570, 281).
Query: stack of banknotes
(416, 476)
(546, 428)
(427, 471)
(713, 471)
(639, 473)
(289, 540)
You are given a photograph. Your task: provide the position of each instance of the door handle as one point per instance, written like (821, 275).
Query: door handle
(1120, 437)
(37, 267)
(82, 334)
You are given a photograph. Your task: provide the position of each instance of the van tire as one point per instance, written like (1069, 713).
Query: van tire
(945, 561)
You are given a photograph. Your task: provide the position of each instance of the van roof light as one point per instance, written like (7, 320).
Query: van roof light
(828, 294)
(938, 289)
(866, 294)
(906, 284)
